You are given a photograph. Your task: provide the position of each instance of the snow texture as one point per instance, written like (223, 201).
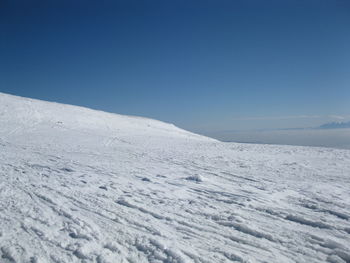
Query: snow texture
(79, 185)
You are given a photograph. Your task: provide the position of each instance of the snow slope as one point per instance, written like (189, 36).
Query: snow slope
(78, 185)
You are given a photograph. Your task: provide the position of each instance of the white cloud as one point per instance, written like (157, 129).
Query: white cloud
(337, 117)
(278, 117)
(331, 116)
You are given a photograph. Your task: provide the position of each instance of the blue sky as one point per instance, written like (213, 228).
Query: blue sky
(203, 65)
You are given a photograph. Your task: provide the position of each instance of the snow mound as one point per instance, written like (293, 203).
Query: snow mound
(79, 185)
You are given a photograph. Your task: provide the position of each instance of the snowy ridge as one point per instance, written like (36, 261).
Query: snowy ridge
(78, 185)
(20, 113)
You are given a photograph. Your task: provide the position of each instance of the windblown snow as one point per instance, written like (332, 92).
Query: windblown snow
(79, 185)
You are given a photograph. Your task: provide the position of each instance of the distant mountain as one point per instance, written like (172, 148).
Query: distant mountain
(335, 125)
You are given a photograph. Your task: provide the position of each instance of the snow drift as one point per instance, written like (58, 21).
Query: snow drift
(79, 185)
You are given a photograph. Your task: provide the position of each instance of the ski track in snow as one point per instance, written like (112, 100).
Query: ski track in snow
(78, 185)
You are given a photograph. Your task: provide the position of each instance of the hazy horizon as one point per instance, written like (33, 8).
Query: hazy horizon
(333, 138)
(316, 136)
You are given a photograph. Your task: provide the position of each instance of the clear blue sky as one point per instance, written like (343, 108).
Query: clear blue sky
(203, 65)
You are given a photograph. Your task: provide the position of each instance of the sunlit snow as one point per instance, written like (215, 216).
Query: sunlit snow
(78, 185)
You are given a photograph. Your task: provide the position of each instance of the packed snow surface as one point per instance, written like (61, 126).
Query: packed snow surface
(79, 185)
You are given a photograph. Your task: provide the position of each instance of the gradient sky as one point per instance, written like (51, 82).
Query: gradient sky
(203, 65)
